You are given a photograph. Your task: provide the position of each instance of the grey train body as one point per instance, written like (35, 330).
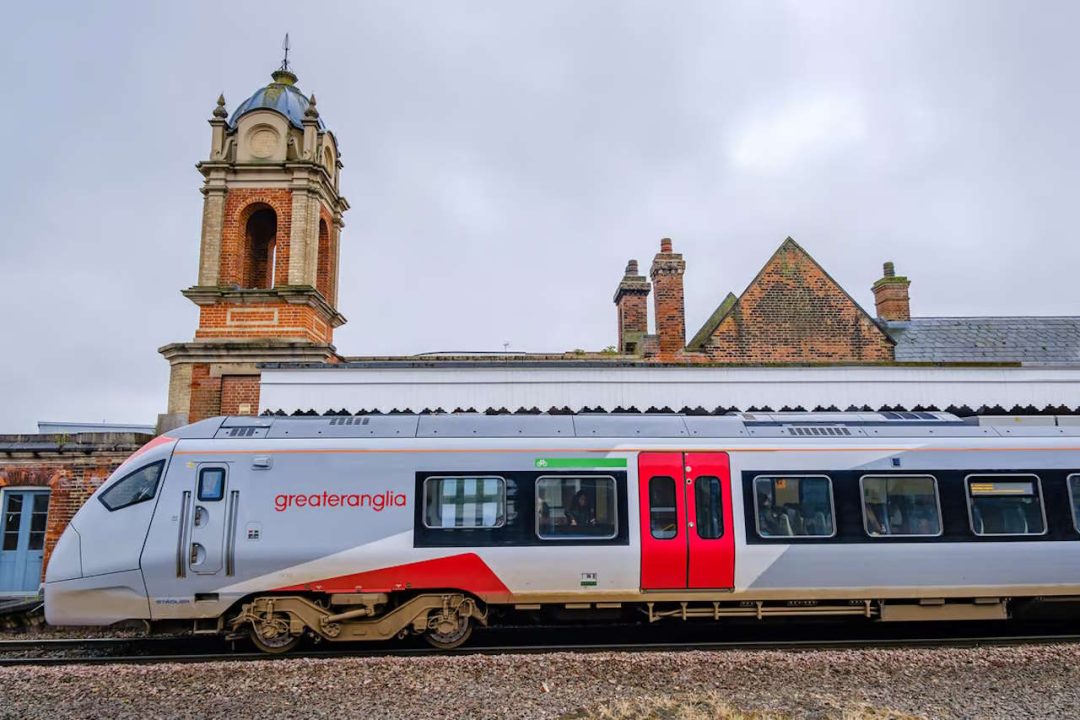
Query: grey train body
(368, 527)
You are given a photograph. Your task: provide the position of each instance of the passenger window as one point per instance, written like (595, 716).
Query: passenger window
(710, 508)
(464, 502)
(663, 518)
(900, 505)
(134, 488)
(1074, 498)
(794, 506)
(211, 484)
(575, 507)
(1005, 505)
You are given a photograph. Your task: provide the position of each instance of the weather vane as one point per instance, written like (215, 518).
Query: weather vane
(285, 47)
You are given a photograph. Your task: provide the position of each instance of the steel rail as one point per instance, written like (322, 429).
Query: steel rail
(723, 646)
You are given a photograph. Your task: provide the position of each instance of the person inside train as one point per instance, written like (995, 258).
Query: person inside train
(581, 513)
(773, 521)
(543, 513)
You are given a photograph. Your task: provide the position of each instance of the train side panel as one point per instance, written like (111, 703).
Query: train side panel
(326, 519)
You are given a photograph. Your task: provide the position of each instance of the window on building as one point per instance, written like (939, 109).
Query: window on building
(710, 508)
(663, 516)
(133, 488)
(575, 507)
(1005, 505)
(900, 505)
(260, 256)
(211, 484)
(794, 506)
(464, 502)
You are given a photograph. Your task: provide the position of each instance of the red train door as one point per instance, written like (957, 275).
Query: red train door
(686, 521)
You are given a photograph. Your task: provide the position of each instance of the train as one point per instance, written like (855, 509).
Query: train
(375, 527)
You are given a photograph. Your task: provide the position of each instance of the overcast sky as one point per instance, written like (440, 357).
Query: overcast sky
(504, 160)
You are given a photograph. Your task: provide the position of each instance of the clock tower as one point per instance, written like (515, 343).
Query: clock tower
(268, 259)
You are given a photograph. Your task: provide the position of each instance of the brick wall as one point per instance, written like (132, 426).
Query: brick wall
(71, 472)
(238, 391)
(793, 312)
(205, 394)
(265, 320)
(240, 204)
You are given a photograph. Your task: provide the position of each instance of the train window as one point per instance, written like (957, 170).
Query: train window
(710, 508)
(575, 507)
(1074, 498)
(900, 505)
(1005, 505)
(133, 488)
(794, 506)
(663, 518)
(211, 484)
(464, 502)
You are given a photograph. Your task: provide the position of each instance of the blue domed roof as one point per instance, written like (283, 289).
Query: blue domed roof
(281, 95)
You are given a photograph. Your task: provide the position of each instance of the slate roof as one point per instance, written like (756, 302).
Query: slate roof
(987, 339)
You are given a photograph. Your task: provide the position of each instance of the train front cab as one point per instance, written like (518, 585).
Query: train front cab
(94, 575)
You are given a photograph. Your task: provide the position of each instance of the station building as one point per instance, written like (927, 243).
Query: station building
(267, 293)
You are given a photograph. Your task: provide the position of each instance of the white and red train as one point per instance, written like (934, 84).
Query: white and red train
(371, 527)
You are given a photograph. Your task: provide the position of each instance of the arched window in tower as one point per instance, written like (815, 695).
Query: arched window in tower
(322, 278)
(260, 249)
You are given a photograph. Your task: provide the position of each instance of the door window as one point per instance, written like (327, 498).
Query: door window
(211, 484)
(710, 510)
(38, 515)
(663, 517)
(12, 520)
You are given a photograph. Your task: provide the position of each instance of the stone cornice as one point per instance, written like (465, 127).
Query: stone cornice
(249, 351)
(292, 294)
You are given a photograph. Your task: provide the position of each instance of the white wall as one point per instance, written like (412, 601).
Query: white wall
(386, 388)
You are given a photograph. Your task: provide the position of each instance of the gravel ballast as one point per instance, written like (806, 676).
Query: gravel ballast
(1037, 681)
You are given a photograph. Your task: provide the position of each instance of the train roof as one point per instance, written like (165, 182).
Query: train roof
(818, 425)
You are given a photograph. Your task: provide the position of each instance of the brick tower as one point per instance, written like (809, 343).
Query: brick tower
(268, 259)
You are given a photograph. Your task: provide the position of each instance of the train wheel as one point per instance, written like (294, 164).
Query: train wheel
(445, 638)
(272, 635)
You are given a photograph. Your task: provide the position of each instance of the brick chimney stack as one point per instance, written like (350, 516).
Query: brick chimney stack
(891, 295)
(667, 277)
(632, 308)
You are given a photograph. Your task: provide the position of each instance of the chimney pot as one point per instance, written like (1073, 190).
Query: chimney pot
(891, 299)
(670, 315)
(632, 306)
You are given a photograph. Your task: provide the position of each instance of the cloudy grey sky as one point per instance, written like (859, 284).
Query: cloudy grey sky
(503, 160)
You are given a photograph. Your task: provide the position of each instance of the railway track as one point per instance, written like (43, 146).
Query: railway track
(187, 649)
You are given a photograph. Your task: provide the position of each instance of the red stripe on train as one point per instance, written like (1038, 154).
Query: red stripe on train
(459, 572)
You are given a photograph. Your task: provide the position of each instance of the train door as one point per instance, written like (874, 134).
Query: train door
(686, 521)
(207, 519)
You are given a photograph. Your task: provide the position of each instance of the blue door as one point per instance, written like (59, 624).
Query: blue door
(22, 539)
